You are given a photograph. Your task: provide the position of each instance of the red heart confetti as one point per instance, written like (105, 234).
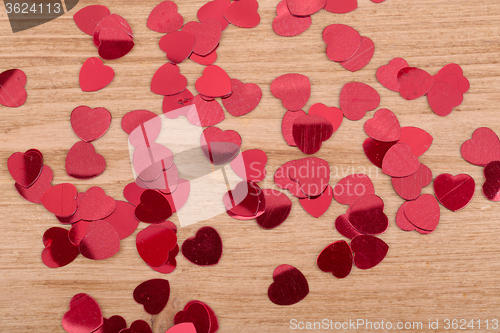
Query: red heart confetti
(153, 208)
(491, 187)
(312, 174)
(168, 80)
(12, 92)
(153, 294)
(164, 18)
(294, 90)
(154, 244)
(319, 205)
(384, 126)
(356, 99)
(287, 25)
(410, 187)
(112, 325)
(341, 6)
(134, 119)
(78, 231)
(83, 162)
(60, 199)
(243, 13)
(87, 18)
(244, 99)
(178, 45)
(418, 139)
(351, 188)
(205, 248)
(344, 227)
(206, 113)
(459, 80)
(195, 312)
(111, 21)
(367, 215)
(289, 287)
(305, 8)
(90, 124)
(101, 242)
(387, 75)
(375, 150)
(454, 192)
(114, 43)
(243, 202)
(204, 60)
(336, 258)
(401, 221)
(214, 82)
(362, 56)
(443, 97)
(220, 146)
(423, 212)
(332, 114)
(84, 315)
(399, 161)
(342, 42)
(58, 251)
(250, 165)
(171, 263)
(310, 131)
(214, 10)
(368, 251)
(287, 126)
(138, 326)
(278, 207)
(177, 105)
(38, 188)
(76, 216)
(96, 205)
(207, 34)
(26, 167)
(414, 82)
(282, 180)
(483, 148)
(94, 75)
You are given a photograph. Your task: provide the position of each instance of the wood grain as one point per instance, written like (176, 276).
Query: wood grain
(452, 273)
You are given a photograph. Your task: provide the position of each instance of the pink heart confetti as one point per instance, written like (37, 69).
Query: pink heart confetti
(362, 56)
(25, 167)
(220, 146)
(178, 45)
(84, 315)
(332, 114)
(341, 6)
(443, 97)
(305, 8)
(399, 161)
(250, 165)
(214, 82)
(206, 113)
(111, 21)
(319, 205)
(384, 126)
(38, 188)
(352, 188)
(96, 205)
(60, 199)
(423, 212)
(243, 13)
(342, 42)
(214, 10)
(418, 139)
(87, 18)
(410, 187)
(207, 34)
(414, 82)
(168, 80)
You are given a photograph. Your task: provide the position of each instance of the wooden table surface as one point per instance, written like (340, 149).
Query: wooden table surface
(452, 273)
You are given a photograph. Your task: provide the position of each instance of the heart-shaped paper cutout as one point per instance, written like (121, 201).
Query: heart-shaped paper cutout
(305, 8)
(138, 326)
(289, 287)
(87, 18)
(178, 45)
(244, 99)
(114, 43)
(418, 139)
(414, 82)
(399, 161)
(375, 150)
(367, 216)
(410, 187)
(111, 21)
(250, 165)
(207, 34)
(205, 113)
(287, 25)
(342, 42)
(454, 192)
(58, 251)
(96, 205)
(344, 227)
(220, 146)
(423, 212)
(205, 248)
(482, 148)
(214, 82)
(368, 251)
(154, 244)
(38, 188)
(387, 75)
(83, 162)
(243, 13)
(341, 6)
(312, 174)
(26, 167)
(153, 208)
(94, 75)
(12, 92)
(317, 206)
(101, 242)
(362, 56)
(336, 258)
(214, 10)
(153, 295)
(164, 18)
(332, 114)
(60, 199)
(168, 80)
(197, 314)
(491, 187)
(351, 188)
(287, 126)
(90, 124)
(278, 207)
(384, 126)
(356, 99)
(310, 131)
(84, 315)
(293, 89)
(443, 97)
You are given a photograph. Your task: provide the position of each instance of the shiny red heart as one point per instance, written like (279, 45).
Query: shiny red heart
(164, 18)
(250, 165)
(362, 56)
(205, 113)
(207, 34)
(171, 263)
(111, 21)
(138, 326)
(12, 92)
(356, 99)
(410, 187)
(112, 325)
(332, 114)
(114, 43)
(317, 206)
(287, 126)
(96, 205)
(414, 82)
(342, 42)
(244, 99)
(418, 139)
(491, 187)
(153, 208)
(178, 45)
(87, 18)
(177, 105)
(220, 146)
(84, 315)
(310, 131)
(83, 162)
(94, 75)
(154, 244)
(404, 224)
(101, 241)
(367, 215)
(38, 188)
(443, 97)
(289, 287)
(182, 328)
(60, 199)
(352, 188)
(287, 25)
(245, 202)
(305, 8)
(243, 13)
(214, 82)
(168, 80)
(205, 248)
(312, 174)
(278, 207)
(336, 258)
(387, 75)
(482, 148)
(375, 150)
(195, 312)
(344, 227)
(399, 161)
(384, 126)
(58, 251)
(214, 10)
(368, 251)
(90, 124)
(293, 89)
(78, 231)
(423, 212)
(454, 192)
(26, 167)
(153, 295)
(341, 6)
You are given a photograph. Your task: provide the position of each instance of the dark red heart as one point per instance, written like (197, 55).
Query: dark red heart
(333, 114)
(482, 148)
(153, 208)
(37, 189)
(164, 18)
(58, 251)
(197, 313)
(336, 258)
(287, 126)
(138, 326)
(101, 241)
(245, 201)
(112, 325)
(367, 215)
(84, 315)
(205, 248)
(111, 21)
(26, 167)
(83, 162)
(153, 295)
(368, 251)
(154, 244)
(344, 227)
(94, 75)
(278, 207)
(289, 287)
(114, 43)
(454, 192)
(375, 150)
(12, 92)
(491, 187)
(310, 131)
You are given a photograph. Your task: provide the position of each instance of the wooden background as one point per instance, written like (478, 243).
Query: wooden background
(451, 273)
